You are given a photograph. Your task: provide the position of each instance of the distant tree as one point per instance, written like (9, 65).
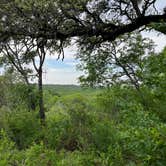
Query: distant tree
(15, 94)
(17, 56)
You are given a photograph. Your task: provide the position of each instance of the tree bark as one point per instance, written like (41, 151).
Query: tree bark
(31, 104)
(41, 104)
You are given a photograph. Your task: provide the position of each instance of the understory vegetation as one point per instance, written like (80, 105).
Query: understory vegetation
(97, 127)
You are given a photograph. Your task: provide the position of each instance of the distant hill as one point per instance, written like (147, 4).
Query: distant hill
(68, 89)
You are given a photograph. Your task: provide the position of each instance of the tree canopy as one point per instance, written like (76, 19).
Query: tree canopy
(62, 19)
(115, 62)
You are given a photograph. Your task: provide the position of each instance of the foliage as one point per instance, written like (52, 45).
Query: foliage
(116, 62)
(154, 77)
(160, 27)
(112, 128)
(77, 132)
(61, 20)
(29, 29)
(39, 155)
(7, 149)
(117, 126)
(15, 93)
(23, 128)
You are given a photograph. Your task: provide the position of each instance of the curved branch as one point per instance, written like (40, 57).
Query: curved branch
(136, 24)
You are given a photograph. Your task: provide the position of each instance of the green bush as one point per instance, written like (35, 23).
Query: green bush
(24, 128)
(141, 136)
(77, 132)
(51, 100)
(104, 134)
(77, 158)
(38, 155)
(7, 149)
(57, 121)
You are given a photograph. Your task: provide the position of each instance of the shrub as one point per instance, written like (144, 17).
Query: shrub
(38, 155)
(23, 128)
(78, 129)
(7, 149)
(57, 121)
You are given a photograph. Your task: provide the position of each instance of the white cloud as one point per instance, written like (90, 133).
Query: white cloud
(72, 63)
(61, 76)
(160, 4)
(69, 53)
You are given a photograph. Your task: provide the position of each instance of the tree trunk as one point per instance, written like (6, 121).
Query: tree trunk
(31, 104)
(41, 104)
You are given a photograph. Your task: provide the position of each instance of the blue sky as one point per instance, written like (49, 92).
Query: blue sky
(61, 72)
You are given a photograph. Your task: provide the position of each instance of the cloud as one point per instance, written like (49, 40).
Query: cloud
(61, 76)
(160, 4)
(69, 53)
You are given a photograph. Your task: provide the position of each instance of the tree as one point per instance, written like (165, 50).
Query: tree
(103, 19)
(23, 50)
(115, 62)
(160, 27)
(19, 55)
(13, 58)
(14, 92)
(154, 73)
(27, 57)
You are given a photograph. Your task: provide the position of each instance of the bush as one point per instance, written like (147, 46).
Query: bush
(77, 132)
(24, 128)
(141, 136)
(7, 149)
(57, 121)
(51, 100)
(104, 134)
(77, 158)
(38, 155)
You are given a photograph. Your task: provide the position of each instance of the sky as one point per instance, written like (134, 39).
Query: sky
(61, 72)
